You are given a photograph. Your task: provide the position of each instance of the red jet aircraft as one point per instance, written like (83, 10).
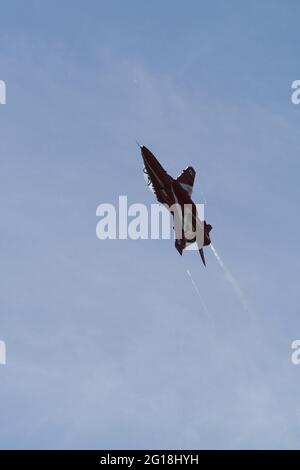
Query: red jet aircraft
(175, 195)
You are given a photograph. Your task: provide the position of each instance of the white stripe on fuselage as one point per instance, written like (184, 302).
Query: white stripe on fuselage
(162, 189)
(159, 180)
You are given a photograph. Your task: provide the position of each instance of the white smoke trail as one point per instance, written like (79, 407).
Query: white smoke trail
(198, 293)
(231, 279)
(203, 196)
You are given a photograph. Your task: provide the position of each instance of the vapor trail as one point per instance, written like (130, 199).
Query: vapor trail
(231, 279)
(198, 293)
(203, 196)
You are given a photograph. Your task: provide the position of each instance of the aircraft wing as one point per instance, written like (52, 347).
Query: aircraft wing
(186, 179)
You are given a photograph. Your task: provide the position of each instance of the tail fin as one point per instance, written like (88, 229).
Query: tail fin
(187, 178)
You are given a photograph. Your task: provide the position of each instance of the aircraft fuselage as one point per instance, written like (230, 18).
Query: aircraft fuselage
(170, 192)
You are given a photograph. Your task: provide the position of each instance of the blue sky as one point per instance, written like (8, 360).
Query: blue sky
(107, 343)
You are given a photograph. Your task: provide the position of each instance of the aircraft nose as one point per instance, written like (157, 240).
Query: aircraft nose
(147, 155)
(143, 151)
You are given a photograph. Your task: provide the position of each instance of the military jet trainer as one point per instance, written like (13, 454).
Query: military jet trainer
(176, 193)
